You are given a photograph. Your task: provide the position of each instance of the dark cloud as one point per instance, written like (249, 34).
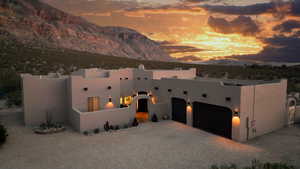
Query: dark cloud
(242, 24)
(199, 1)
(295, 9)
(279, 49)
(284, 42)
(278, 8)
(181, 49)
(189, 58)
(287, 26)
(255, 9)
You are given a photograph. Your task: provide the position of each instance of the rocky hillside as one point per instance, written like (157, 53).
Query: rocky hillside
(37, 24)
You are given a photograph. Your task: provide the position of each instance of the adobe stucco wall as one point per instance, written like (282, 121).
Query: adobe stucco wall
(95, 87)
(42, 95)
(265, 107)
(180, 74)
(215, 91)
(118, 116)
(216, 94)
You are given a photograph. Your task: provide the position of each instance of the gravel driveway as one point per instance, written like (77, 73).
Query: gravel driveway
(160, 145)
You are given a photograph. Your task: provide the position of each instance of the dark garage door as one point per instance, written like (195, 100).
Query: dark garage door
(179, 110)
(212, 118)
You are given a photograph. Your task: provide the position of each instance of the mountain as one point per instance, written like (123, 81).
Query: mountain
(35, 23)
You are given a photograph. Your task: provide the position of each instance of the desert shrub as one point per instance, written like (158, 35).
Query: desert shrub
(154, 118)
(125, 126)
(3, 134)
(14, 98)
(86, 133)
(256, 164)
(96, 131)
(106, 126)
(135, 122)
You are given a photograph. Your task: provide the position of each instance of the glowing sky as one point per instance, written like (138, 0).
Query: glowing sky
(201, 29)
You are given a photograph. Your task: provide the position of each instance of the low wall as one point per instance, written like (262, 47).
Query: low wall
(93, 120)
(160, 109)
(74, 119)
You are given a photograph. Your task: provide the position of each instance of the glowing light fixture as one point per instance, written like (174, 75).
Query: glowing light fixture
(236, 121)
(189, 108)
(109, 104)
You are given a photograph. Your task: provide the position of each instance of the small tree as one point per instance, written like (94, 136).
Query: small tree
(3, 134)
(154, 118)
(135, 122)
(106, 126)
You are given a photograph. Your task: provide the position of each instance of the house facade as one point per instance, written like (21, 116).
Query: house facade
(86, 99)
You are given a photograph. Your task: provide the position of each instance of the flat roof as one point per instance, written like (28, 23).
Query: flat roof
(236, 82)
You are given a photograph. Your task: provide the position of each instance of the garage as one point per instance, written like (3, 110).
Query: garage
(179, 110)
(212, 118)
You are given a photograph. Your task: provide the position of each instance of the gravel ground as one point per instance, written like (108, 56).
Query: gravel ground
(160, 145)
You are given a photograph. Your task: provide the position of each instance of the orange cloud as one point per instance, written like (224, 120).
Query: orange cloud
(187, 10)
(96, 14)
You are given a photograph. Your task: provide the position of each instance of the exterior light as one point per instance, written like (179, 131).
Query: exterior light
(185, 92)
(109, 87)
(109, 104)
(236, 121)
(85, 89)
(156, 88)
(189, 108)
(228, 99)
(153, 99)
(204, 95)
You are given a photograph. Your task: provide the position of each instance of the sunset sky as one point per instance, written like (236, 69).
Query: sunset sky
(203, 29)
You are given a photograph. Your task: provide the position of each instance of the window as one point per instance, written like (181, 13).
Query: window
(127, 100)
(93, 104)
(228, 99)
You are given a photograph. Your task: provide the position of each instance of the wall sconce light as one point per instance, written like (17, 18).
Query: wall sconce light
(236, 121)
(169, 90)
(228, 99)
(85, 89)
(236, 112)
(156, 88)
(189, 108)
(109, 87)
(109, 104)
(185, 92)
(204, 95)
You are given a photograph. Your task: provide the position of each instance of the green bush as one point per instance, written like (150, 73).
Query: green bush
(14, 98)
(3, 134)
(256, 165)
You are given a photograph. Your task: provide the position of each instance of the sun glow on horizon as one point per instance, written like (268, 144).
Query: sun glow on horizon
(214, 45)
